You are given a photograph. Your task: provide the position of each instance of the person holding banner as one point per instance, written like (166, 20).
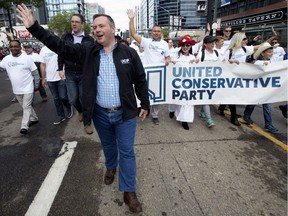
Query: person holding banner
(263, 57)
(219, 42)
(207, 53)
(156, 51)
(183, 113)
(237, 52)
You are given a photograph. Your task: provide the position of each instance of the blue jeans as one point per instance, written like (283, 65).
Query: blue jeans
(266, 112)
(74, 89)
(59, 93)
(117, 135)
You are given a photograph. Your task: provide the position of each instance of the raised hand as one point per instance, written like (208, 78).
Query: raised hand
(208, 27)
(274, 33)
(25, 15)
(10, 35)
(130, 14)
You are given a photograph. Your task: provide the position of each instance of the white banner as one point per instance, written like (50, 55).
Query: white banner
(217, 83)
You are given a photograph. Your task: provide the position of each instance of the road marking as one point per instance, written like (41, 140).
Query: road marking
(43, 200)
(265, 134)
(260, 131)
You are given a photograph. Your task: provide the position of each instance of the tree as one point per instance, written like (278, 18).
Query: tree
(7, 3)
(165, 32)
(61, 23)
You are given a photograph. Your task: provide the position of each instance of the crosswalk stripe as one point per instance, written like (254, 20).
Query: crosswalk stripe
(43, 200)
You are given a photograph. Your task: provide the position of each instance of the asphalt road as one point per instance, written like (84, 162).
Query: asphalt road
(225, 170)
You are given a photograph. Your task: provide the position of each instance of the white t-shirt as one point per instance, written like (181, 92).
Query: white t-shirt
(19, 71)
(184, 113)
(221, 52)
(239, 54)
(278, 54)
(226, 44)
(261, 62)
(36, 57)
(182, 58)
(212, 57)
(197, 47)
(50, 59)
(173, 50)
(154, 51)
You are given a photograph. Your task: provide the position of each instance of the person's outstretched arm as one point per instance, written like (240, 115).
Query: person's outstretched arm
(132, 30)
(66, 49)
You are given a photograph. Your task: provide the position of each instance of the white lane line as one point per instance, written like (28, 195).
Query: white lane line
(43, 200)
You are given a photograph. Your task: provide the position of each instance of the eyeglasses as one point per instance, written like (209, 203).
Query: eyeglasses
(245, 39)
(228, 30)
(186, 45)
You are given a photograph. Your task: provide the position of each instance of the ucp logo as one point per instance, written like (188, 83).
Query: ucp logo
(156, 80)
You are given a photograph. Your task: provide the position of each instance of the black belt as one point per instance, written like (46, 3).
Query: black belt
(112, 110)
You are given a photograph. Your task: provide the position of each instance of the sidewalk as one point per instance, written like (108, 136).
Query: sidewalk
(225, 170)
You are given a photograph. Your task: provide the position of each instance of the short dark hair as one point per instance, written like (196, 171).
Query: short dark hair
(16, 41)
(218, 38)
(80, 16)
(124, 42)
(112, 23)
(227, 26)
(156, 25)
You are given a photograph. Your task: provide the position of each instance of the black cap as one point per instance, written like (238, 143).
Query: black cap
(208, 39)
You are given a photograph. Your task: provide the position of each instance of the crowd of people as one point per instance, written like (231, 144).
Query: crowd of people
(234, 48)
(99, 75)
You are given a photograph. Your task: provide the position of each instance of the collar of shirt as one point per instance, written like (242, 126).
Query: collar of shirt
(18, 54)
(80, 35)
(115, 44)
(78, 38)
(153, 39)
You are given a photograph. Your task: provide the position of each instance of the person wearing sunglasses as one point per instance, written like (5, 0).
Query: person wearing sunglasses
(278, 51)
(227, 34)
(183, 113)
(237, 52)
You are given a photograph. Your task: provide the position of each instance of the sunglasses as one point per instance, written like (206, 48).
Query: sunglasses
(274, 42)
(228, 30)
(186, 45)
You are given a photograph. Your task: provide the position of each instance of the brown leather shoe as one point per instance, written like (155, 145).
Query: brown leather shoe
(109, 176)
(88, 129)
(130, 198)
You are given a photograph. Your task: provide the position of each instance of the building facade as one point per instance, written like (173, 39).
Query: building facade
(92, 9)
(255, 17)
(54, 7)
(173, 14)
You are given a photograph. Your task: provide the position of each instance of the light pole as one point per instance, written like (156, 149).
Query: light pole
(168, 15)
(214, 25)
